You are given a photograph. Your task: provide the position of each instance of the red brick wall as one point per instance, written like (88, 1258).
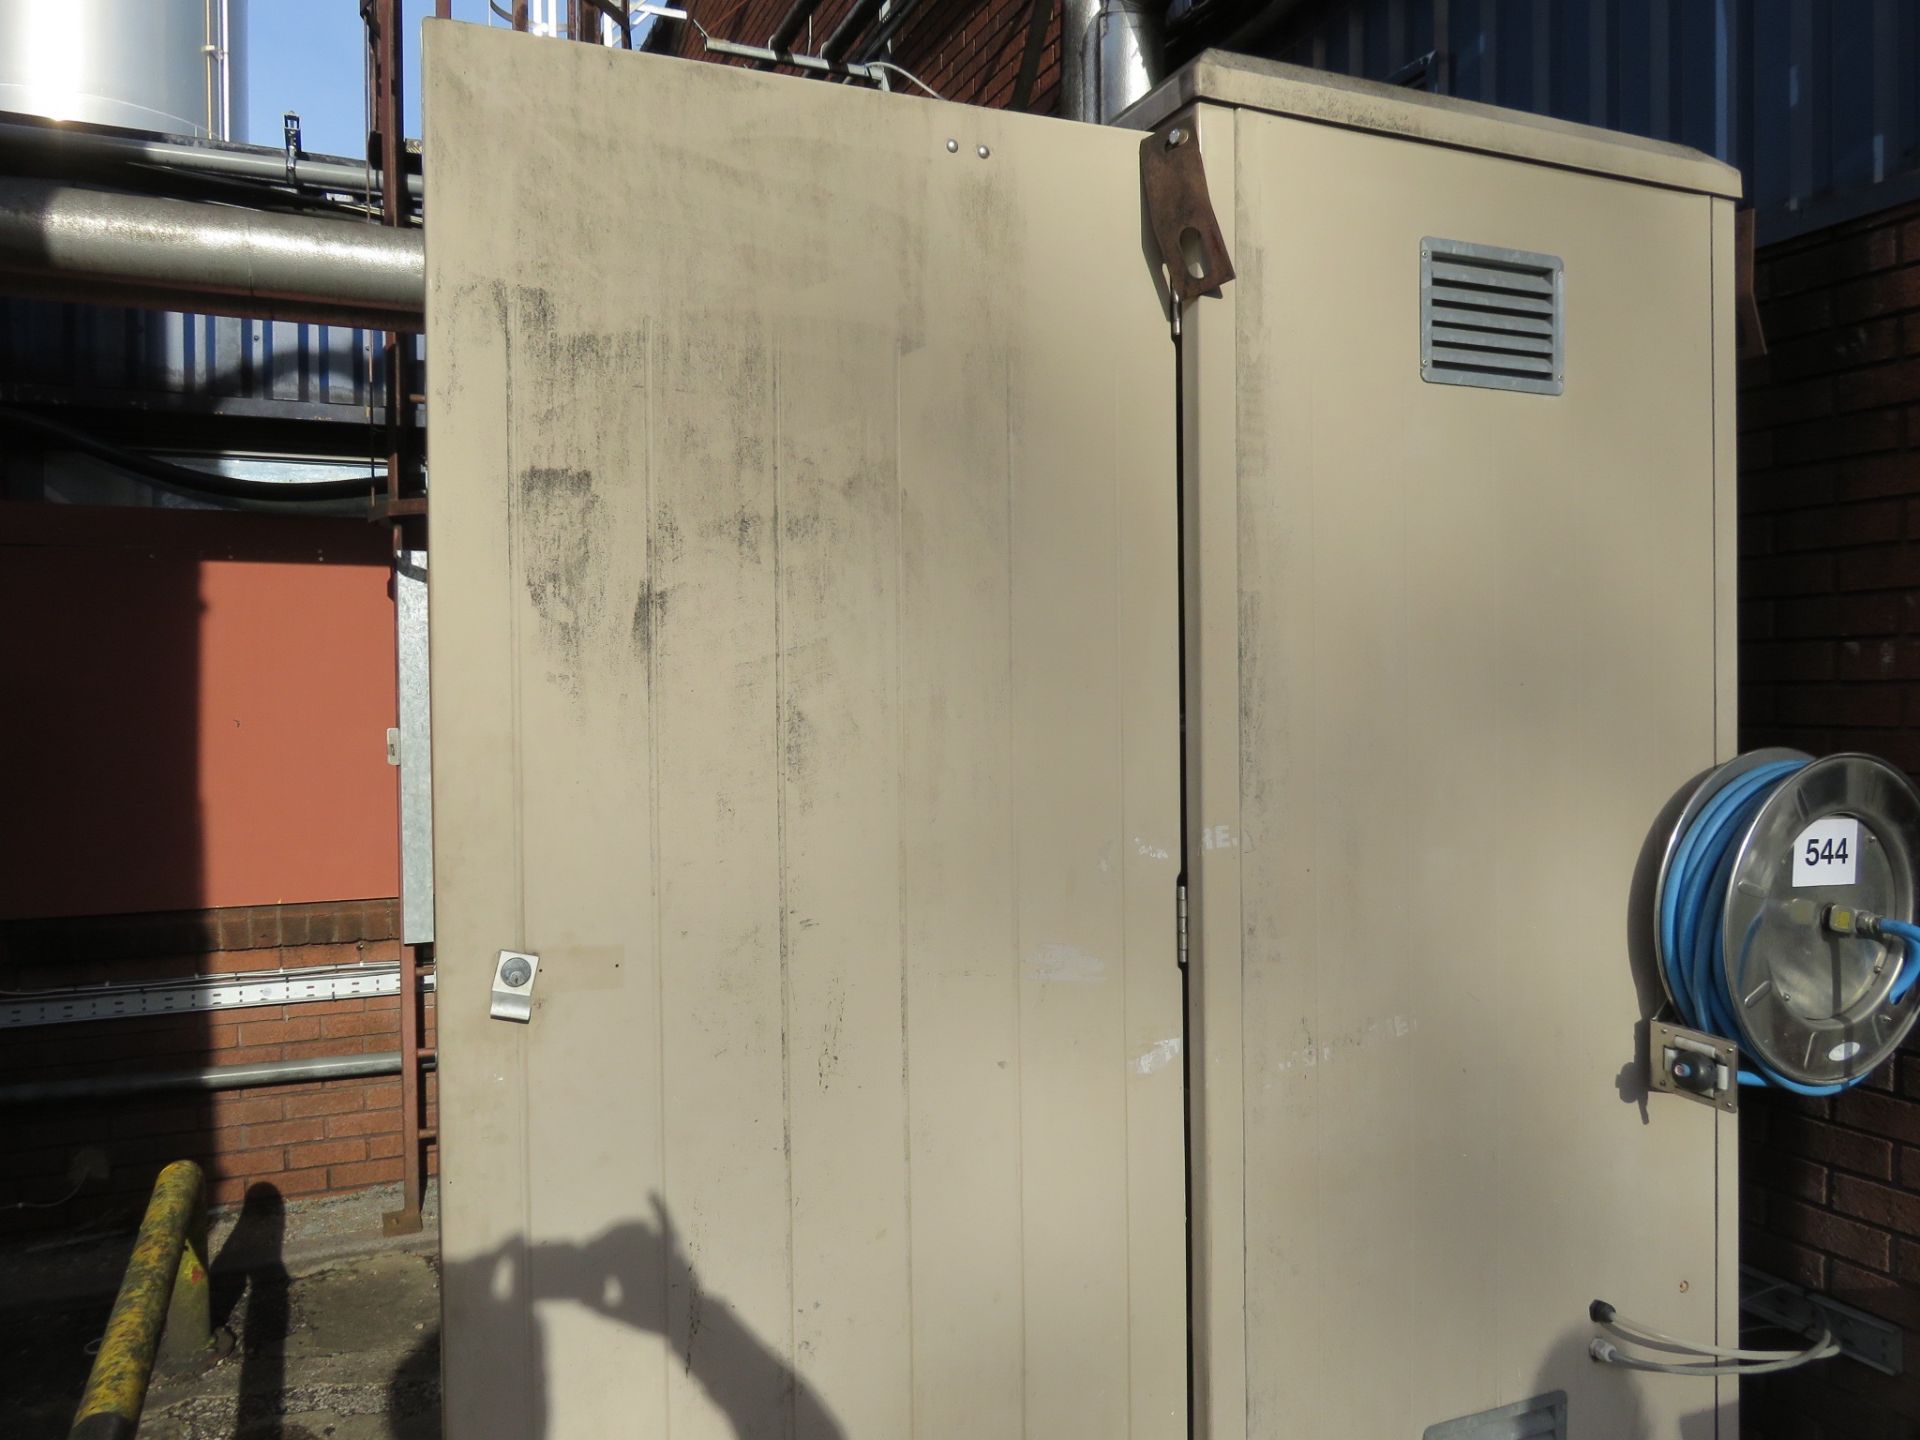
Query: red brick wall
(306, 1139)
(1830, 660)
(966, 50)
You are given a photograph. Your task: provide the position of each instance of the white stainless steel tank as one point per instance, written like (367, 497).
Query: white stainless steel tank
(173, 66)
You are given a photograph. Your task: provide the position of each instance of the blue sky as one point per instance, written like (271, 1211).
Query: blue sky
(306, 55)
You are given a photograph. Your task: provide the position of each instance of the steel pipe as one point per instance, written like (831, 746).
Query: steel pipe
(104, 247)
(213, 1077)
(70, 147)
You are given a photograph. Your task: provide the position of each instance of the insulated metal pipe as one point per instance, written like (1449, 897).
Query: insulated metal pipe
(1110, 55)
(213, 1077)
(49, 143)
(104, 247)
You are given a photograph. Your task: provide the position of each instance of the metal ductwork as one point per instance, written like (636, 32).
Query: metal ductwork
(1110, 56)
(64, 242)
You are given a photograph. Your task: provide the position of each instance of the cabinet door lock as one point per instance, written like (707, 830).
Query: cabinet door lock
(513, 980)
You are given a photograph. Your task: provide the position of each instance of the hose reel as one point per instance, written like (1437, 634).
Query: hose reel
(1783, 926)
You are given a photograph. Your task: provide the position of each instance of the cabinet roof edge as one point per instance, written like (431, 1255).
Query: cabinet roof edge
(1245, 82)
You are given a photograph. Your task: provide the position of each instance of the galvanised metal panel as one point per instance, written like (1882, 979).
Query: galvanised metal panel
(805, 695)
(1811, 101)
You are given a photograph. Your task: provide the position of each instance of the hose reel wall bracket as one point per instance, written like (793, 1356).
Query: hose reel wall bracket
(1811, 1004)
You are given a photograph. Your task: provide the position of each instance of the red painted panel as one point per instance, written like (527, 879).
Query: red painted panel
(195, 710)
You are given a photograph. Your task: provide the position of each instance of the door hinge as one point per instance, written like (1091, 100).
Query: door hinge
(1180, 921)
(393, 745)
(1173, 181)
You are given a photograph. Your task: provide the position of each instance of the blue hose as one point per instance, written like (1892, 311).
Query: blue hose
(1909, 960)
(1690, 908)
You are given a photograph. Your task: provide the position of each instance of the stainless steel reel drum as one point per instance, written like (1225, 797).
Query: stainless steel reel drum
(1812, 998)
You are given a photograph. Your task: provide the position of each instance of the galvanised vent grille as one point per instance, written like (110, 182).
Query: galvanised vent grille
(1491, 317)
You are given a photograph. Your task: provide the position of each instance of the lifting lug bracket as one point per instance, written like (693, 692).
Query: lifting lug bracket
(1173, 179)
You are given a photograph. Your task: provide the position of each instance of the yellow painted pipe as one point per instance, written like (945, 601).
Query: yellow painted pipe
(171, 1246)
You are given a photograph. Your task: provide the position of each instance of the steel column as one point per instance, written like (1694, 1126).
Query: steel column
(402, 488)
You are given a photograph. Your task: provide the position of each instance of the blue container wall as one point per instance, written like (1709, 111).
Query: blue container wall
(1812, 101)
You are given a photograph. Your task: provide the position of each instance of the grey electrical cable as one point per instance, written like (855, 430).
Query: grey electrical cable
(901, 70)
(1607, 1353)
(1658, 1340)
(1713, 1359)
(78, 1186)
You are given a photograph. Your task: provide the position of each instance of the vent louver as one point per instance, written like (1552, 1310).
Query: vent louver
(1490, 317)
(1542, 1418)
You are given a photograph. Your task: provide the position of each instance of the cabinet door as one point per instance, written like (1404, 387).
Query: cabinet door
(805, 697)
(1477, 652)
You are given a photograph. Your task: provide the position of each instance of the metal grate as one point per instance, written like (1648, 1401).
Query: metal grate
(1490, 317)
(1544, 1417)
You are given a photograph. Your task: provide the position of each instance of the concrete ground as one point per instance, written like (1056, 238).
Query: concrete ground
(334, 1330)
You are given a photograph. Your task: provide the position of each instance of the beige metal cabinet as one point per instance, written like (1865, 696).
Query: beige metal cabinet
(808, 597)
(805, 637)
(1451, 649)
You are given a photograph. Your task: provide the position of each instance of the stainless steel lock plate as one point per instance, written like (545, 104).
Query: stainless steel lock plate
(513, 979)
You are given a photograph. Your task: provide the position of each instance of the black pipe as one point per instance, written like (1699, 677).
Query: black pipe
(183, 479)
(1039, 21)
(903, 11)
(848, 30)
(788, 30)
